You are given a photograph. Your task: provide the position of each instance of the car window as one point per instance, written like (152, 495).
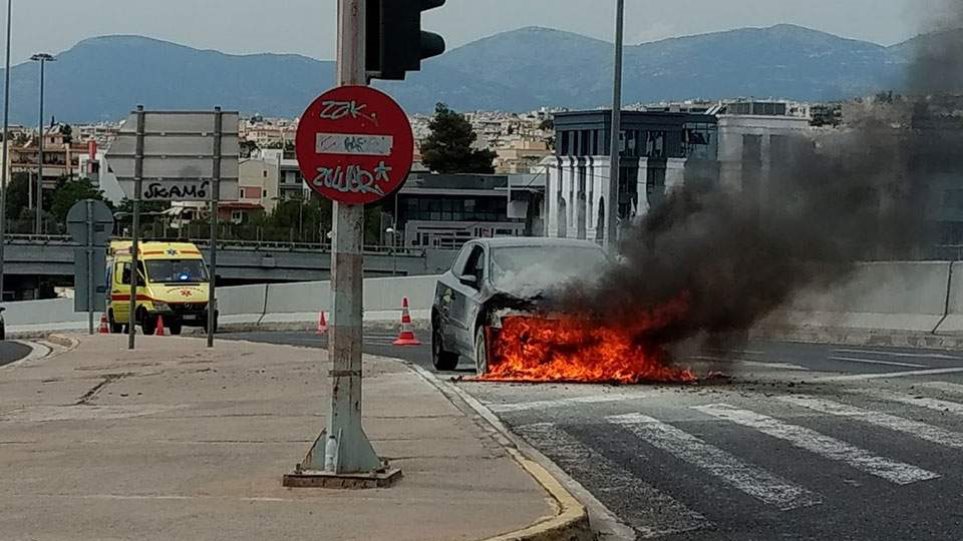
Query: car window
(531, 269)
(476, 264)
(125, 274)
(458, 267)
(165, 271)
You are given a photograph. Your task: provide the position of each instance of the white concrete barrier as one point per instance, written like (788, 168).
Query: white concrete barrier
(250, 305)
(882, 297)
(905, 297)
(46, 315)
(953, 323)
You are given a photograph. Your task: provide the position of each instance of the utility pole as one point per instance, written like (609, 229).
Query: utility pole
(612, 202)
(6, 137)
(42, 58)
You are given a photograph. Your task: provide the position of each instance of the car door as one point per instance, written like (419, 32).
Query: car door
(120, 292)
(465, 301)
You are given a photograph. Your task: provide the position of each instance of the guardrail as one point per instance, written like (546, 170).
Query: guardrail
(252, 245)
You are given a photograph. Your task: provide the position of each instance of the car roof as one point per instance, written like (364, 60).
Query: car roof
(535, 242)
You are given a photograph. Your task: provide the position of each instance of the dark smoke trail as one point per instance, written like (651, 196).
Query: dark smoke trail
(834, 198)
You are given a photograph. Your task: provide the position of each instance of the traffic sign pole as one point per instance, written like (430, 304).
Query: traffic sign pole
(215, 198)
(90, 266)
(135, 234)
(347, 449)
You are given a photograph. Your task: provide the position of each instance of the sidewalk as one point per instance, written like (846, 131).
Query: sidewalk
(175, 441)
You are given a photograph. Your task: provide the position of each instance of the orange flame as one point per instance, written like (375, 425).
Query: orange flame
(573, 349)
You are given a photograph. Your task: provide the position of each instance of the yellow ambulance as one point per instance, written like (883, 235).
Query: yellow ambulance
(172, 283)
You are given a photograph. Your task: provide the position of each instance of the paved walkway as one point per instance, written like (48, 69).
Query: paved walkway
(175, 441)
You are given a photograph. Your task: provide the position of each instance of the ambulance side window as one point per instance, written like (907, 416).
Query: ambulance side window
(125, 275)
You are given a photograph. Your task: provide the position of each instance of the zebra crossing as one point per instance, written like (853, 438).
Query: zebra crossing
(781, 420)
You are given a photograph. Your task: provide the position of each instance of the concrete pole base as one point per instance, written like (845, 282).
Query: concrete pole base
(345, 481)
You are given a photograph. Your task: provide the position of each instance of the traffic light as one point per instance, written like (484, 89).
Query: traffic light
(396, 43)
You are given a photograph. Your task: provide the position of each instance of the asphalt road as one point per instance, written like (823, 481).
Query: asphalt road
(805, 442)
(378, 341)
(12, 352)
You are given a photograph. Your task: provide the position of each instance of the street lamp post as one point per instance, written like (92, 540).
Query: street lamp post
(6, 137)
(42, 58)
(612, 225)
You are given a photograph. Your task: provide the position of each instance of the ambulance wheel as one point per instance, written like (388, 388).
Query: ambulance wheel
(115, 328)
(149, 325)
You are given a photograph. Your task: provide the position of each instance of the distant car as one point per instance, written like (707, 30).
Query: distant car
(3, 325)
(492, 275)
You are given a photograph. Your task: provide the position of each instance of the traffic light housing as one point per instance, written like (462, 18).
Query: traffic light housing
(396, 44)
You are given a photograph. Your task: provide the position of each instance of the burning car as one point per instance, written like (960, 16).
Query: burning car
(492, 278)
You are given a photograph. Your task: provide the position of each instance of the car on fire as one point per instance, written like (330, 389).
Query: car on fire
(491, 277)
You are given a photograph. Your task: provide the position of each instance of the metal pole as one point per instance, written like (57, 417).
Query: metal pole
(347, 449)
(6, 136)
(215, 197)
(39, 197)
(90, 267)
(135, 234)
(612, 202)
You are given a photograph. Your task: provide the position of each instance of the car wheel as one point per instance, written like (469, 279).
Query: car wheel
(115, 328)
(176, 328)
(3, 331)
(481, 351)
(441, 359)
(148, 324)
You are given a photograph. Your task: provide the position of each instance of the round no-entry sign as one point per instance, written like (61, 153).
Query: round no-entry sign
(355, 145)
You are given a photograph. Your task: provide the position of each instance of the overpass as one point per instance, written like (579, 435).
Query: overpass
(31, 259)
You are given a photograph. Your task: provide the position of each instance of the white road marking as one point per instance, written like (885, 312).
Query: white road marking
(752, 480)
(904, 374)
(661, 515)
(945, 386)
(900, 354)
(917, 429)
(876, 361)
(745, 362)
(739, 351)
(548, 404)
(823, 445)
(942, 406)
(781, 366)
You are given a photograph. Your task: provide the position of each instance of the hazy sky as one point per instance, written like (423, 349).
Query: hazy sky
(307, 26)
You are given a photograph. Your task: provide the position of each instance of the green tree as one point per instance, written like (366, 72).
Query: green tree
(68, 194)
(248, 148)
(18, 195)
(68, 132)
(448, 148)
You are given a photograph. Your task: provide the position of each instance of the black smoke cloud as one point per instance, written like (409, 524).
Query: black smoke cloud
(830, 199)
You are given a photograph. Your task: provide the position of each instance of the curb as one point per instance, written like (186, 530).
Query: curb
(64, 341)
(571, 521)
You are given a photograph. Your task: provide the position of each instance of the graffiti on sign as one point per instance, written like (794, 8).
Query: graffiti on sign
(353, 179)
(177, 191)
(336, 110)
(340, 143)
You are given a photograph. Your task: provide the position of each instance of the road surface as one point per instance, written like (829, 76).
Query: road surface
(806, 442)
(11, 352)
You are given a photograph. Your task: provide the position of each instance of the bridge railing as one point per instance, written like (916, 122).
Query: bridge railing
(252, 245)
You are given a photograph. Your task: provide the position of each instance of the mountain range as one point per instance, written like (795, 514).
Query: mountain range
(105, 77)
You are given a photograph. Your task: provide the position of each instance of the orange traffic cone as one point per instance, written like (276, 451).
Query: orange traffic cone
(159, 330)
(407, 336)
(104, 326)
(322, 324)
